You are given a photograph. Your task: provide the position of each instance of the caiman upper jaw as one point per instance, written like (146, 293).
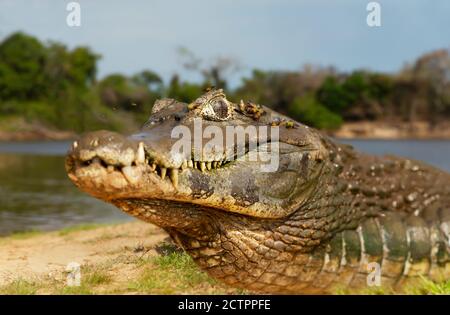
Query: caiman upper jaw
(112, 154)
(105, 152)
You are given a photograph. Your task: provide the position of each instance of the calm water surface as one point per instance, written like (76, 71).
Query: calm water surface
(35, 193)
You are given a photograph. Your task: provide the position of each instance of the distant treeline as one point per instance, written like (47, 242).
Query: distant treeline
(49, 83)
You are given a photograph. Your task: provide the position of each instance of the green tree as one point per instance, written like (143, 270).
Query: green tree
(333, 95)
(308, 110)
(22, 58)
(278, 89)
(150, 79)
(130, 94)
(183, 91)
(358, 96)
(434, 69)
(83, 66)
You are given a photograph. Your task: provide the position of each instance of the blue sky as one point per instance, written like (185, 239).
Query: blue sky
(283, 34)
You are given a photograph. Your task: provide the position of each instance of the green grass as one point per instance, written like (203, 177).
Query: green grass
(81, 290)
(175, 273)
(421, 286)
(426, 286)
(78, 228)
(19, 287)
(170, 274)
(97, 277)
(24, 235)
(91, 278)
(366, 291)
(63, 232)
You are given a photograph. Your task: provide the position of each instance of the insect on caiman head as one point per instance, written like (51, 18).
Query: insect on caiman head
(208, 156)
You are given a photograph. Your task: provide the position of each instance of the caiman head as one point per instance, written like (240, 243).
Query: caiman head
(208, 169)
(212, 154)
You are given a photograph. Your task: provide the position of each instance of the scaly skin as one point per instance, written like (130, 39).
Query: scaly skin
(313, 225)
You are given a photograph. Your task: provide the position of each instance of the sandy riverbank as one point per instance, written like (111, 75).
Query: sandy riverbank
(17, 129)
(129, 258)
(391, 130)
(354, 130)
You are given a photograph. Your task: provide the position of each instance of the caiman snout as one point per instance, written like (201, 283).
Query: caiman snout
(107, 164)
(106, 147)
(103, 162)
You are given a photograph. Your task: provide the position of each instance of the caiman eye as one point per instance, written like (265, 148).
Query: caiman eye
(218, 110)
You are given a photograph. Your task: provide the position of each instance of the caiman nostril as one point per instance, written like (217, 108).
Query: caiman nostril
(87, 163)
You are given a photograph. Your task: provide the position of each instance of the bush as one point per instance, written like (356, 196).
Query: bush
(183, 91)
(309, 111)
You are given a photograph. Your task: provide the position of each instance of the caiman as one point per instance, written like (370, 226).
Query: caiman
(327, 217)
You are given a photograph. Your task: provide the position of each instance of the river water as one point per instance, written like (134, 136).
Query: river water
(35, 193)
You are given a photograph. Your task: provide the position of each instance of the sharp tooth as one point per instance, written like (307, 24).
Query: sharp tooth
(214, 164)
(184, 165)
(153, 167)
(131, 174)
(202, 166)
(140, 157)
(75, 144)
(163, 172)
(190, 164)
(173, 174)
(208, 165)
(110, 168)
(73, 177)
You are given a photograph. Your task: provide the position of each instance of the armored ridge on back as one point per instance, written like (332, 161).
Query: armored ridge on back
(323, 219)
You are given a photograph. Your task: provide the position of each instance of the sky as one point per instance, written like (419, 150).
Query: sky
(270, 35)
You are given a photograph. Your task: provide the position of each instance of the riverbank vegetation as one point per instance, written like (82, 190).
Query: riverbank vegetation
(130, 258)
(49, 85)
